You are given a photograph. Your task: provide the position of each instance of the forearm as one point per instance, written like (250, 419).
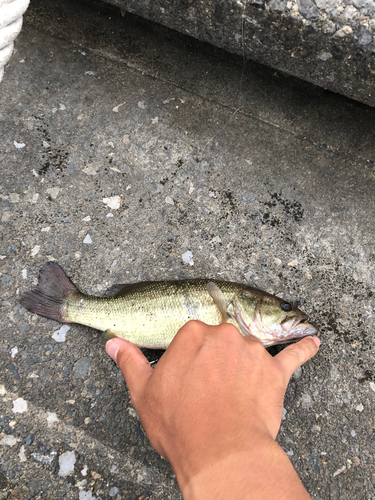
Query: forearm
(264, 473)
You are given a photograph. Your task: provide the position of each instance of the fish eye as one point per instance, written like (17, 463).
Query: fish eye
(285, 306)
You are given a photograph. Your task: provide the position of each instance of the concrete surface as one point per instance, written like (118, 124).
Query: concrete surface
(263, 179)
(330, 43)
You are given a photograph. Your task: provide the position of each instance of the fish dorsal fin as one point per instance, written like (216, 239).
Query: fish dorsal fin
(122, 288)
(219, 299)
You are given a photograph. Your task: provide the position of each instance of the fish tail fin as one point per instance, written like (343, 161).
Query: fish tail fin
(51, 294)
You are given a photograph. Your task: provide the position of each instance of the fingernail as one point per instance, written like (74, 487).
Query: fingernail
(111, 347)
(316, 340)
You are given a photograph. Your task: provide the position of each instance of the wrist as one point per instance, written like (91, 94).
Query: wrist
(262, 472)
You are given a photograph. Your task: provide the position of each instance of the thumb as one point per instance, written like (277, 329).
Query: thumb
(295, 355)
(133, 365)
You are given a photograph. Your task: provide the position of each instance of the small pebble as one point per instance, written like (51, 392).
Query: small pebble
(35, 251)
(19, 405)
(293, 263)
(52, 418)
(66, 463)
(14, 197)
(359, 407)
(116, 108)
(60, 335)
(87, 240)
(187, 257)
(113, 491)
(9, 440)
(325, 56)
(339, 471)
(216, 239)
(14, 351)
(82, 367)
(19, 145)
(44, 459)
(85, 495)
(353, 433)
(113, 202)
(6, 216)
(306, 400)
(22, 454)
(169, 200)
(53, 192)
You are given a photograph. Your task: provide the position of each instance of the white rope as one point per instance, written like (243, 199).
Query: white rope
(10, 25)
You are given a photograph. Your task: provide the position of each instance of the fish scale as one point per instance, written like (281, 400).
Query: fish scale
(152, 313)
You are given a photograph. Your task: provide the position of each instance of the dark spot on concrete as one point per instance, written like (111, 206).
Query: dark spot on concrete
(13, 370)
(3, 481)
(368, 376)
(29, 440)
(82, 367)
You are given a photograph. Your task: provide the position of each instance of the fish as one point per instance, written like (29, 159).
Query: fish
(149, 314)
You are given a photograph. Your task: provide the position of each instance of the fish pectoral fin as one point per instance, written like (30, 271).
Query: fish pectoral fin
(107, 335)
(219, 299)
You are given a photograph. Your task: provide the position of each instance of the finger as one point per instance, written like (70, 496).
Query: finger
(189, 338)
(132, 363)
(295, 355)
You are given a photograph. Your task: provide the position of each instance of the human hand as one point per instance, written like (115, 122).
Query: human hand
(213, 404)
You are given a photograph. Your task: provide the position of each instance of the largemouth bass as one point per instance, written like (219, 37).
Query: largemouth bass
(149, 314)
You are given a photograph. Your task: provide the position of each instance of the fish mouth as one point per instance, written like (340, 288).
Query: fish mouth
(301, 327)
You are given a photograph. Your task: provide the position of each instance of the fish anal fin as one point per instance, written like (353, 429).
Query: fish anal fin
(219, 300)
(107, 335)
